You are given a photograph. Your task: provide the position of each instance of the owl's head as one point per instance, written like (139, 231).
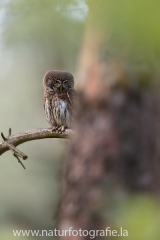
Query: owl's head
(58, 81)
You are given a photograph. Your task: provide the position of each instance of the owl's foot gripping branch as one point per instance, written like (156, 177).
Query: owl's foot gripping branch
(10, 142)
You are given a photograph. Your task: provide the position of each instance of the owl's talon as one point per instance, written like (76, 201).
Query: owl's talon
(54, 129)
(61, 129)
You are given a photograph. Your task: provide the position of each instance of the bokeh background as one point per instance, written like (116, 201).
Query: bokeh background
(36, 36)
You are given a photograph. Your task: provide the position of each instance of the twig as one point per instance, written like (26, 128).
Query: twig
(19, 161)
(16, 153)
(12, 141)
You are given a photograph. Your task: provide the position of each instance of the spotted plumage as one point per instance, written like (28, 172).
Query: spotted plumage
(59, 97)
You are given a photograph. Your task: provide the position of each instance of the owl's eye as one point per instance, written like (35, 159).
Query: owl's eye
(56, 82)
(66, 83)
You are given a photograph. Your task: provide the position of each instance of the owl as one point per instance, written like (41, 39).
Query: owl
(59, 99)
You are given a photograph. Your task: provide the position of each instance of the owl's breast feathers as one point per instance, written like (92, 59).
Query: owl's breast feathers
(60, 107)
(69, 98)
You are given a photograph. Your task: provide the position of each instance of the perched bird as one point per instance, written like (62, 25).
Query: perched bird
(59, 95)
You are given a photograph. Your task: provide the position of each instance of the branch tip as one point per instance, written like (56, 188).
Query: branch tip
(16, 153)
(10, 131)
(25, 157)
(4, 138)
(19, 161)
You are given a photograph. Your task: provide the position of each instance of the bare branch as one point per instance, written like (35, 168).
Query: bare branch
(19, 161)
(12, 141)
(16, 153)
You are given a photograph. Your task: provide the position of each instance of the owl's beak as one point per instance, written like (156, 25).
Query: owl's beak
(61, 88)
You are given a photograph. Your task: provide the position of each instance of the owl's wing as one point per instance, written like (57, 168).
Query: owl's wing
(71, 97)
(48, 108)
(72, 100)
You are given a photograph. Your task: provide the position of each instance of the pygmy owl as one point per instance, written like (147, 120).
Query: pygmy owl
(59, 97)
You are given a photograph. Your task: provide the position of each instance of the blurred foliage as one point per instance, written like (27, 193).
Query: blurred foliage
(48, 29)
(130, 32)
(140, 215)
(35, 36)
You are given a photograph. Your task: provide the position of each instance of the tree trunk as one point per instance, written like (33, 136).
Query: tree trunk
(115, 151)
